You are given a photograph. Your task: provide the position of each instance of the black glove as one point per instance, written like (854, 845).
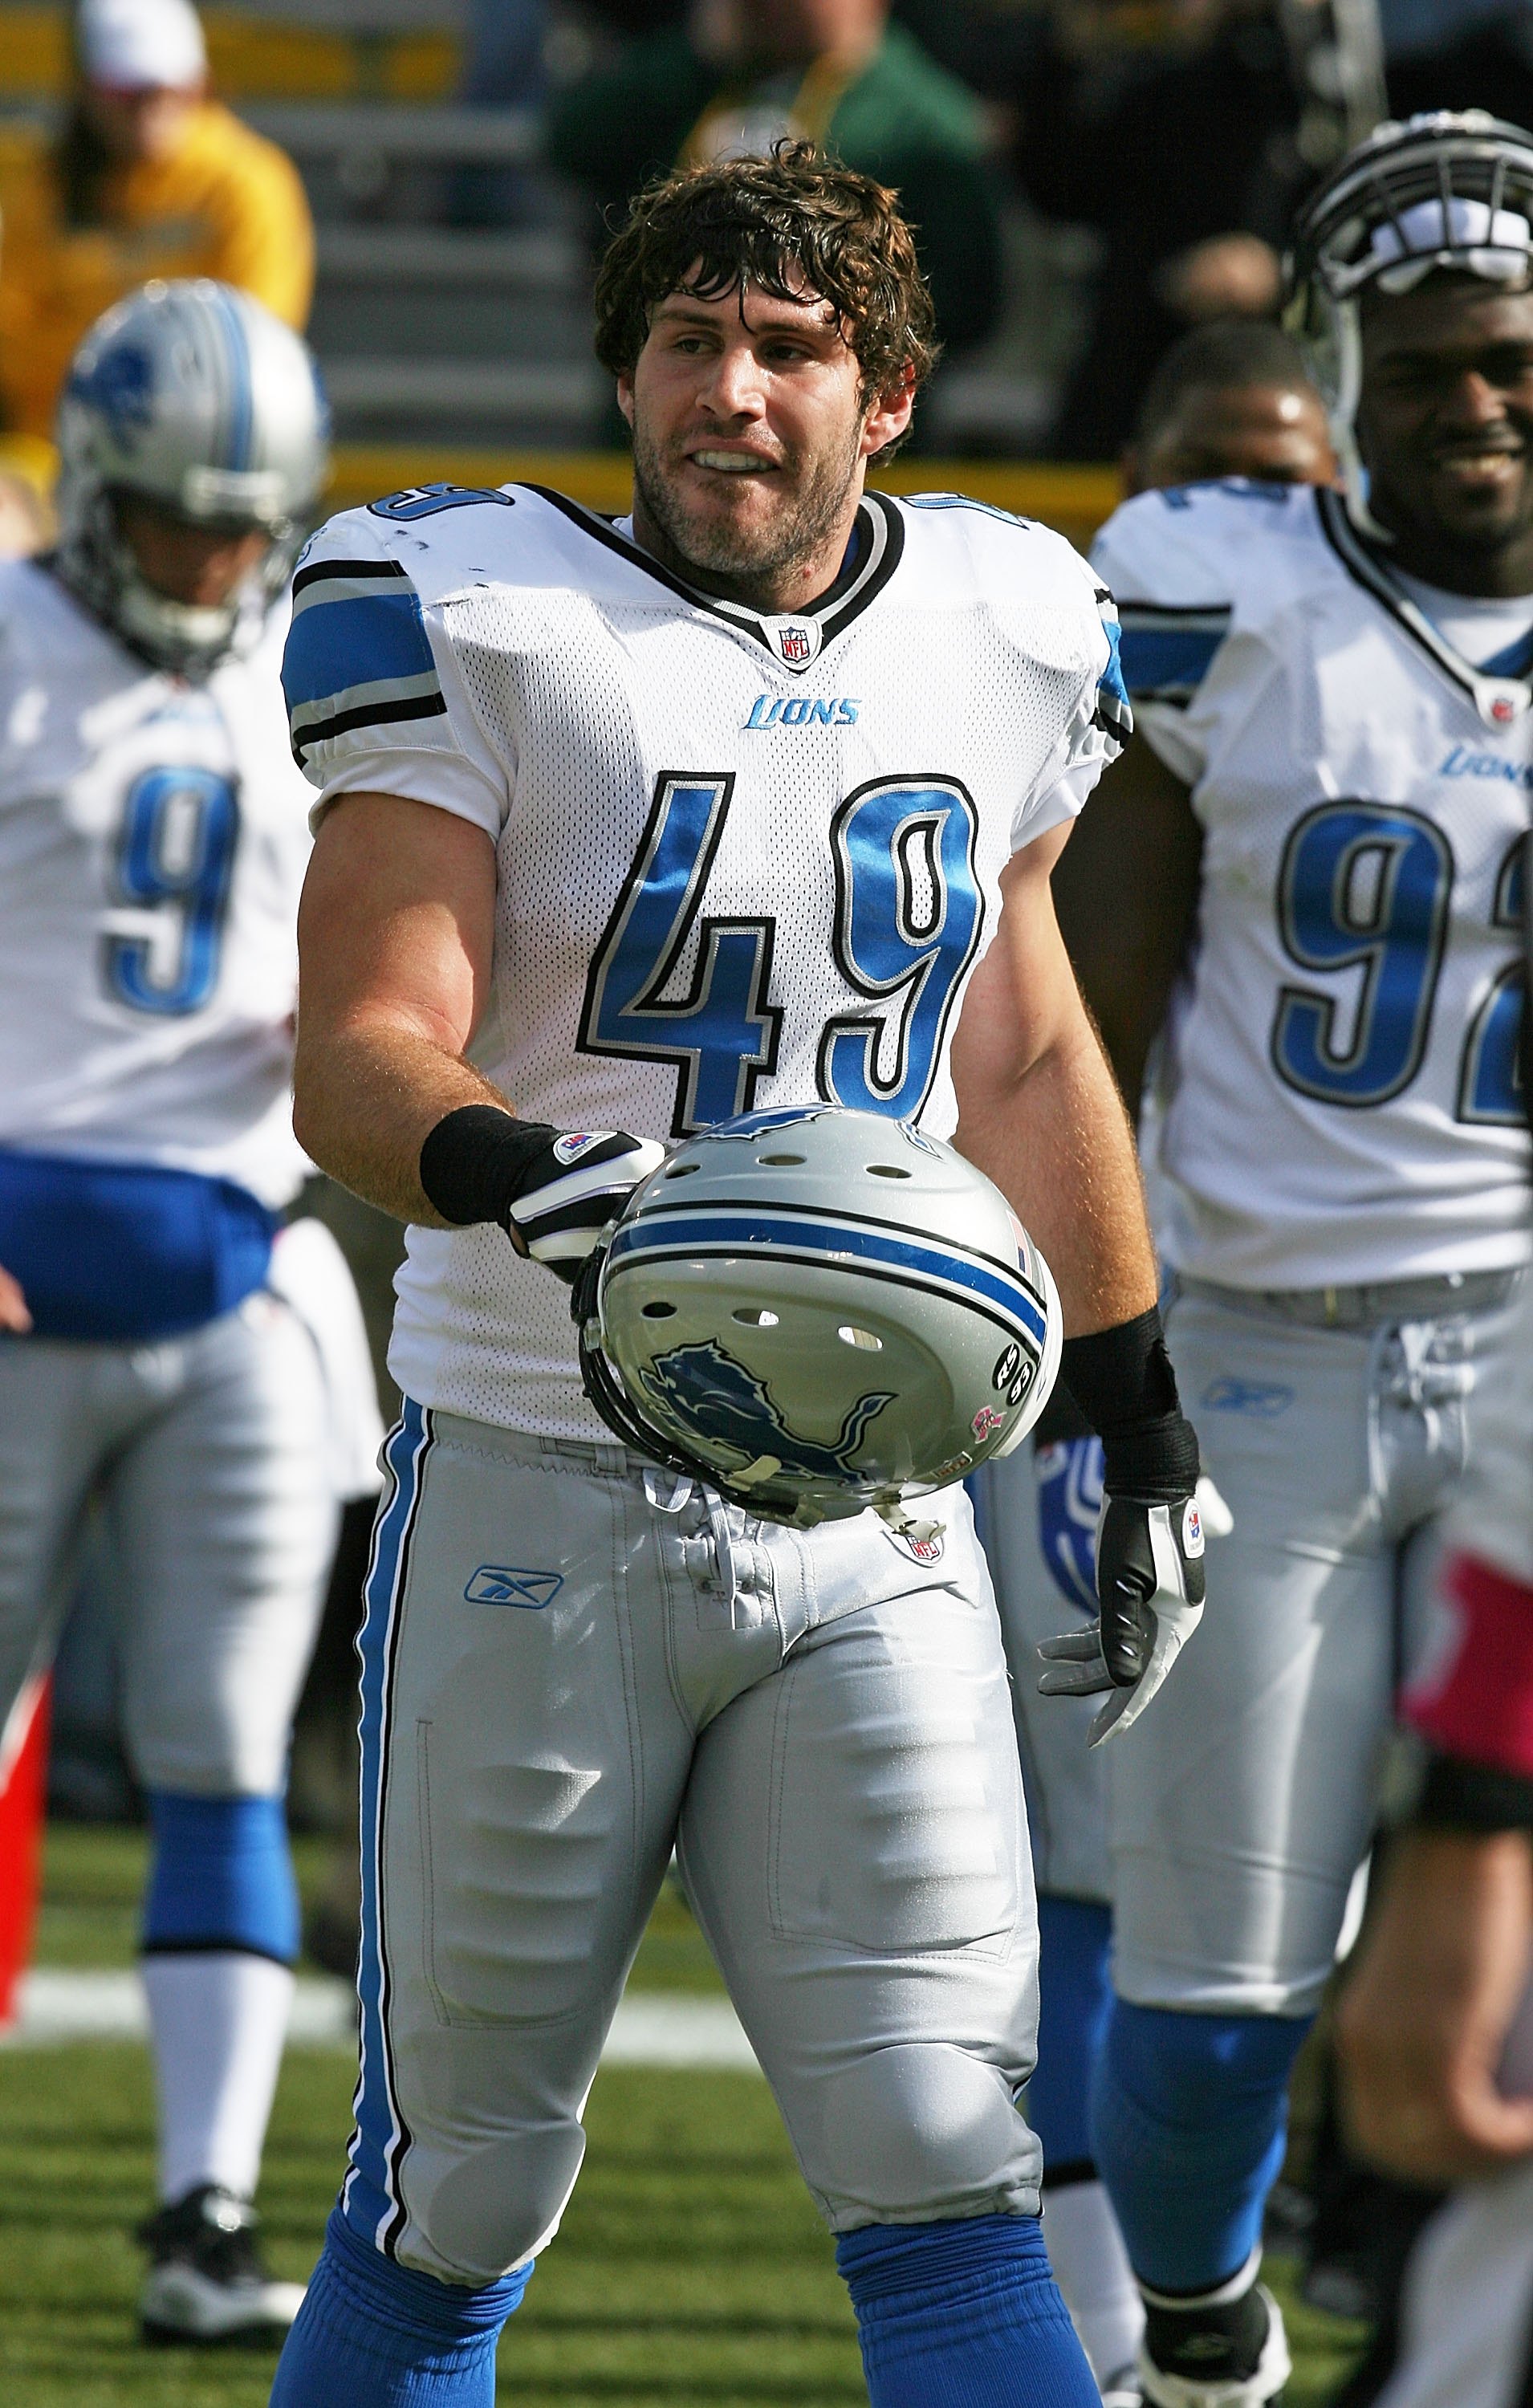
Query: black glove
(1150, 1585)
(1150, 1592)
(553, 1195)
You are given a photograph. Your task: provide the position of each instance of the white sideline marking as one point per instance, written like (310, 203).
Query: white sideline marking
(651, 2028)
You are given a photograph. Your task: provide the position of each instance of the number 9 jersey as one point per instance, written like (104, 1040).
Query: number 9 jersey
(742, 862)
(153, 846)
(1340, 1091)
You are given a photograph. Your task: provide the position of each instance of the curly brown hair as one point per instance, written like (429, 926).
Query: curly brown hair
(711, 230)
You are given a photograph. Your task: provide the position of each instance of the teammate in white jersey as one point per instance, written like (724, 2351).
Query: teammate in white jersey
(1307, 878)
(153, 844)
(1233, 400)
(752, 799)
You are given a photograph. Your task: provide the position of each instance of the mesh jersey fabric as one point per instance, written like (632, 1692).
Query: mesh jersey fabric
(1338, 1097)
(154, 838)
(856, 780)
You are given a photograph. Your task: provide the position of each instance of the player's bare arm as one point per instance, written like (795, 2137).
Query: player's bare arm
(396, 935)
(1040, 1114)
(1425, 2017)
(1125, 892)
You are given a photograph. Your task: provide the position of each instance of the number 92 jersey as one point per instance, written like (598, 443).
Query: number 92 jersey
(154, 838)
(741, 862)
(1339, 1093)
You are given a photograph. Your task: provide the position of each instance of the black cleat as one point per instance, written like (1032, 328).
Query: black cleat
(1220, 2353)
(206, 2285)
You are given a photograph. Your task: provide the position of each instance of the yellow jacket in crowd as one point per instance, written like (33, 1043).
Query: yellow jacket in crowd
(226, 203)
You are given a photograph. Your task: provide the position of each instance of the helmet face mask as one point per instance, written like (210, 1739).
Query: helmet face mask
(1446, 193)
(193, 398)
(819, 1311)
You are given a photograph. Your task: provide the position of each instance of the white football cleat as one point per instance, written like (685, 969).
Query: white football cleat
(206, 2285)
(1254, 2389)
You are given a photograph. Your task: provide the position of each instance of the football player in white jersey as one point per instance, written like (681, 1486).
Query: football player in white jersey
(750, 799)
(1306, 879)
(1232, 400)
(153, 844)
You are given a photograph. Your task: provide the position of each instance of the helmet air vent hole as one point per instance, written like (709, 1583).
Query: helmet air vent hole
(885, 1170)
(755, 1316)
(779, 1161)
(683, 1170)
(862, 1339)
(658, 1312)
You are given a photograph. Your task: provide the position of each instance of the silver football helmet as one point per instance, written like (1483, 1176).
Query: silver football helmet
(815, 1311)
(1446, 189)
(195, 396)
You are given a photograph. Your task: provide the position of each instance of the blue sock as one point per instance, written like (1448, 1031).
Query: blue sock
(964, 2315)
(1075, 1995)
(1189, 2118)
(222, 1877)
(370, 2334)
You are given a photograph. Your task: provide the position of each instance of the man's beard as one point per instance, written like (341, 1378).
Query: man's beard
(746, 561)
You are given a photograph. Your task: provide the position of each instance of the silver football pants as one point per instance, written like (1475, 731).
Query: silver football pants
(571, 1662)
(208, 1454)
(1243, 1801)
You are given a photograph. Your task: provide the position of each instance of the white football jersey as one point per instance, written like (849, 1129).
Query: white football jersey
(1341, 1095)
(153, 838)
(741, 862)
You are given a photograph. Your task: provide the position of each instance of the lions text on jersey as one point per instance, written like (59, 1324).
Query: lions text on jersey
(153, 845)
(739, 862)
(1340, 1094)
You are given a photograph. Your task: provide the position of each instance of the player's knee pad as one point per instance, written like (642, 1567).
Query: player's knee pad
(1189, 2115)
(962, 2310)
(491, 2206)
(924, 2130)
(222, 1877)
(369, 2330)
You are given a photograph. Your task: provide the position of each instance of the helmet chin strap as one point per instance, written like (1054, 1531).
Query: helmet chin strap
(1343, 421)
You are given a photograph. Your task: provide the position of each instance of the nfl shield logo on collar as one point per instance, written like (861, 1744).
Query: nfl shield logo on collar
(795, 641)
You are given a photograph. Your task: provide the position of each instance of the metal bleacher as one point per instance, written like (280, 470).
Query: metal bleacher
(449, 349)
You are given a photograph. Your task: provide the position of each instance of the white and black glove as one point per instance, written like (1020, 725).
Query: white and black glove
(1150, 1585)
(552, 1193)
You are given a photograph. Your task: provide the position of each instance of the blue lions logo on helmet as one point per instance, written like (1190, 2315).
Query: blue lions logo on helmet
(712, 1392)
(120, 382)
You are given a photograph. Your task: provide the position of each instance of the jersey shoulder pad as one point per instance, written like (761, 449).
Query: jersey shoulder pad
(357, 653)
(1044, 596)
(1188, 563)
(1004, 554)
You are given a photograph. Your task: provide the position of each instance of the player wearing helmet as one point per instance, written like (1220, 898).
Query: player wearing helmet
(1229, 400)
(751, 799)
(1306, 879)
(152, 842)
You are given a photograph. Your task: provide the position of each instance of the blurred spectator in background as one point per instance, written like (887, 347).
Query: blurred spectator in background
(147, 176)
(503, 69)
(1230, 400)
(1170, 130)
(741, 73)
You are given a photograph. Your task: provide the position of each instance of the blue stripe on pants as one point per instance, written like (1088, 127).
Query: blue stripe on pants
(369, 2198)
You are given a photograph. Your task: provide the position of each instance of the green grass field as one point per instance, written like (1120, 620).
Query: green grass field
(691, 2267)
